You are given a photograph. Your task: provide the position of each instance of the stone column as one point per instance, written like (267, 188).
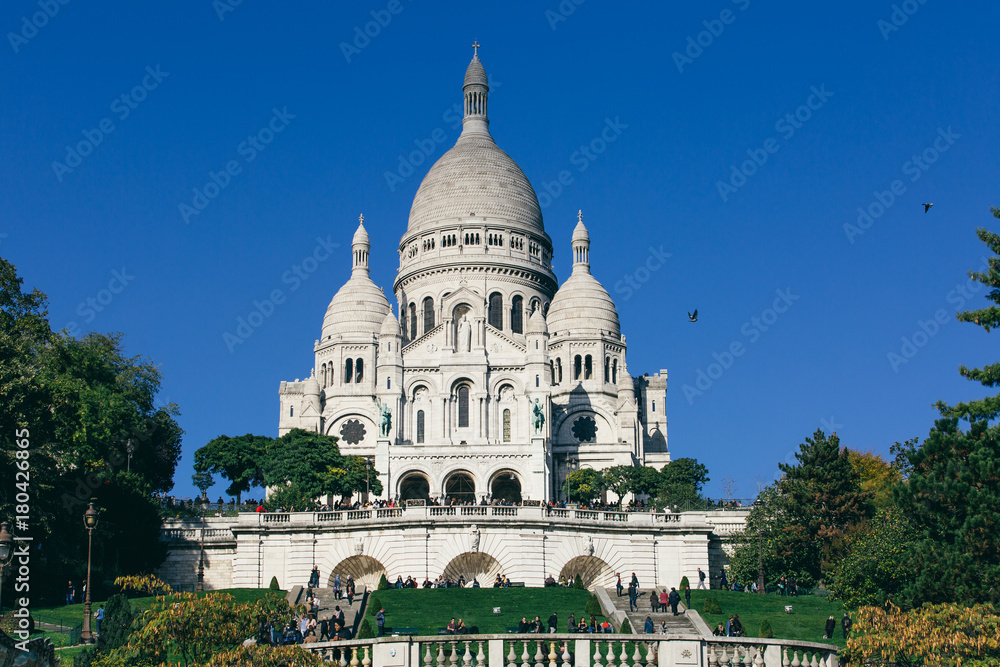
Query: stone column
(382, 466)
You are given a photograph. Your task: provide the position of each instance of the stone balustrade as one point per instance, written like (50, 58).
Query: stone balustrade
(574, 650)
(179, 530)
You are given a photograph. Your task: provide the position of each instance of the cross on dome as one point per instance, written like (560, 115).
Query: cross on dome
(475, 46)
(361, 218)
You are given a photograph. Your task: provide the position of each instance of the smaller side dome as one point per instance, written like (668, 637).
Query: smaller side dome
(580, 233)
(390, 326)
(536, 323)
(361, 236)
(311, 386)
(476, 73)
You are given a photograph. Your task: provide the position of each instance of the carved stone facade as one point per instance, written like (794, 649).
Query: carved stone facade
(484, 334)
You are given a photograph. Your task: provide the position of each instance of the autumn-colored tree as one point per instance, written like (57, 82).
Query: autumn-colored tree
(943, 635)
(267, 656)
(876, 476)
(189, 627)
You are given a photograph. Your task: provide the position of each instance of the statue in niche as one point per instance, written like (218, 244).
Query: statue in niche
(537, 416)
(464, 335)
(588, 547)
(507, 394)
(474, 539)
(384, 419)
(359, 546)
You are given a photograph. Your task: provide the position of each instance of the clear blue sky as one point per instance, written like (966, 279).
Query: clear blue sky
(885, 96)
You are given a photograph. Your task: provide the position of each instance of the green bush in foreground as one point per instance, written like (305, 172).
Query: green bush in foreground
(711, 606)
(626, 628)
(765, 630)
(685, 584)
(383, 583)
(274, 584)
(593, 606)
(365, 631)
(578, 583)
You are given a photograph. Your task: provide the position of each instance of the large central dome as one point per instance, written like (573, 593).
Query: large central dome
(475, 176)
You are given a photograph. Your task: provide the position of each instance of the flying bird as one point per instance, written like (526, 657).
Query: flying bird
(927, 207)
(693, 316)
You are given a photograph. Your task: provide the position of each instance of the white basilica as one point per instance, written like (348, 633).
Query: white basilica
(496, 381)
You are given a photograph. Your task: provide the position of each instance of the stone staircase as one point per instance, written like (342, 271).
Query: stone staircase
(676, 625)
(328, 604)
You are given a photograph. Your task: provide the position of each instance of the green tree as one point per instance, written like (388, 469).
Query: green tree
(822, 499)
(681, 481)
(875, 566)
(619, 480)
(354, 474)
(240, 460)
(951, 497)
(987, 318)
(765, 630)
(117, 623)
(584, 484)
(203, 481)
(289, 498)
(646, 481)
(302, 458)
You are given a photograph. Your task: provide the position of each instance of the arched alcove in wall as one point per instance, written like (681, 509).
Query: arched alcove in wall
(473, 565)
(505, 485)
(592, 570)
(365, 570)
(414, 486)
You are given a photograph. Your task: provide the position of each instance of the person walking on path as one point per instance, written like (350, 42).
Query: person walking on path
(618, 586)
(701, 579)
(654, 602)
(831, 625)
(380, 621)
(674, 599)
(99, 615)
(846, 624)
(632, 591)
(71, 593)
(635, 581)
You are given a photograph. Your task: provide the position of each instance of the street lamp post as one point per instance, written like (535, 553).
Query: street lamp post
(6, 551)
(90, 521)
(570, 467)
(130, 448)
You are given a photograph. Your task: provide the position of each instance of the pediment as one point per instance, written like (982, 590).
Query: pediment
(498, 342)
(464, 294)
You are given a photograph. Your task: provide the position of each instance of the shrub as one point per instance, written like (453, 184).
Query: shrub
(374, 604)
(365, 631)
(685, 584)
(274, 584)
(117, 623)
(765, 630)
(578, 583)
(626, 628)
(383, 583)
(593, 606)
(711, 606)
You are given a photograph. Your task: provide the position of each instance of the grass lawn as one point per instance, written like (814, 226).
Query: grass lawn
(430, 609)
(806, 622)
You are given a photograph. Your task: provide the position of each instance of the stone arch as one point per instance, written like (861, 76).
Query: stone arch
(365, 570)
(473, 565)
(413, 485)
(593, 571)
(460, 484)
(505, 484)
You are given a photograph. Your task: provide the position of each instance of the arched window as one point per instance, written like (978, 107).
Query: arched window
(463, 406)
(359, 370)
(506, 425)
(496, 310)
(534, 306)
(420, 427)
(428, 314)
(559, 370)
(607, 369)
(588, 368)
(654, 407)
(388, 383)
(552, 371)
(577, 367)
(348, 371)
(614, 371)
(517, 315)
(537, 380)
(413, 321)
(291, 411)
